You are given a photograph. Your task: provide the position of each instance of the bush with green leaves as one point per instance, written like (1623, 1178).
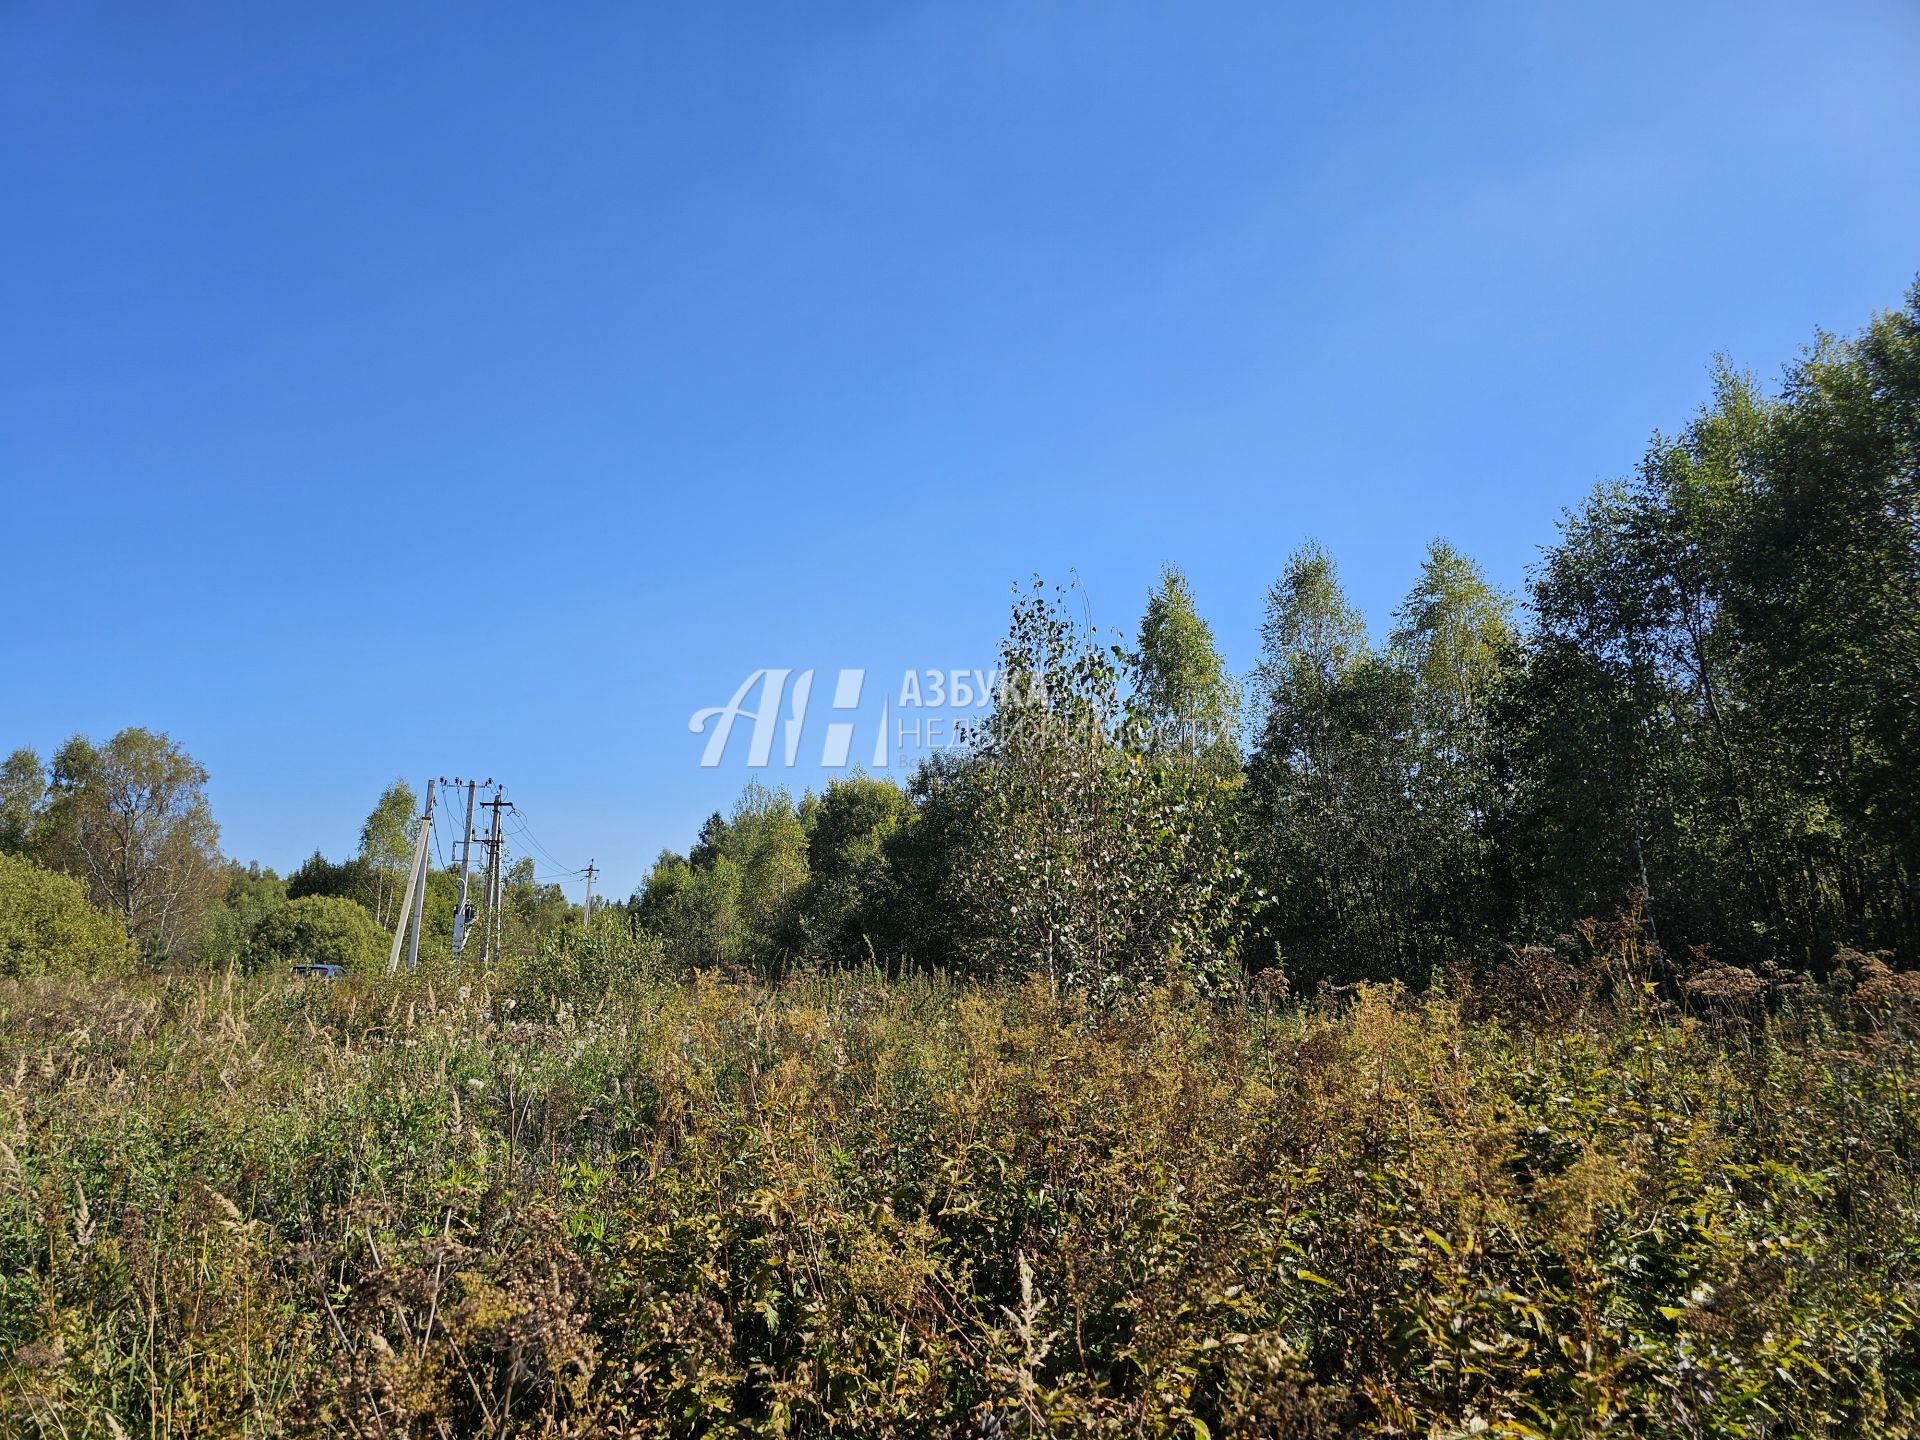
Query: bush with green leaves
(48, 928)
(252, 894)
(583, 967)
(318, 930)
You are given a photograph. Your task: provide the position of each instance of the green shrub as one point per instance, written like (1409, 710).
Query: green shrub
(318, 930)
(585, 967)
(48, 928)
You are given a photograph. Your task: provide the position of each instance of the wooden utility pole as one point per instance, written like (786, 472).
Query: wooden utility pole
(591, 872)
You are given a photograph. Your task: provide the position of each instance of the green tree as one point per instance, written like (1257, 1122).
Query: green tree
(47, 926)
(736, 897)
(318, 930)
(1338, 841)
(848, 870)
(653, 901)
(1822, 592)
(767, 841)
(1454, 635)
(1718, 696)
(131, 820)
(1081, 854)
(693, 910)
(1311, 640)
(534, 911)
(1184, 699)
(1452, 643)
(352, 879)
(386, 847)
(23, 792)
(251, 895)
(916, 917)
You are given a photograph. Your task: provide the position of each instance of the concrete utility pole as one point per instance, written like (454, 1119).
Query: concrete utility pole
(420, 843)
(466, 865)
(591, 872)
(420, 880)
(492, 951)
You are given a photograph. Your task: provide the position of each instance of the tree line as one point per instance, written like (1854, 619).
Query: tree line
(1705, 711)
(122, 834)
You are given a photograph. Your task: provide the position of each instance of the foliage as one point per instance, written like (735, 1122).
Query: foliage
(694, 911)
(1352, 835)
(1183, 697)
(850, 875)
(251, 895)
(23, 793)
(386, 847)
(739, 892)
(318, 930)
(586, 965)
(130, 820)
(351, 879)
(1454, 637)
(915, 1208)
(1710, 706)
(1084, 853)
(48, 928)
(950, 1110)
(1718, 698)
(535, 912)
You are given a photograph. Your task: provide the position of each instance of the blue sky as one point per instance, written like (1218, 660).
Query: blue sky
(481, 389)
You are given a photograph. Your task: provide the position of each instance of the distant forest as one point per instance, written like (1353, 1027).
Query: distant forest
(1704, 714)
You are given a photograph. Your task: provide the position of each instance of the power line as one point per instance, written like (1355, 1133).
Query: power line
(525, 832)
(429, 843)
(545, 855)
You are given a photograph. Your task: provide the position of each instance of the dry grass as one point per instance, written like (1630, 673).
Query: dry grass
(847, 1206)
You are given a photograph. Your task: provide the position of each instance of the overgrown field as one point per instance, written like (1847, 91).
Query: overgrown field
(863, 1207)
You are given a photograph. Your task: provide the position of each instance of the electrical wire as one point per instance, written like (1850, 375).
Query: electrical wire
(532, 849)
(525, 832)
(436, 841)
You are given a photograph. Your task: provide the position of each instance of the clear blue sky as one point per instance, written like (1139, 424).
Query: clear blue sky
(432, 389)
